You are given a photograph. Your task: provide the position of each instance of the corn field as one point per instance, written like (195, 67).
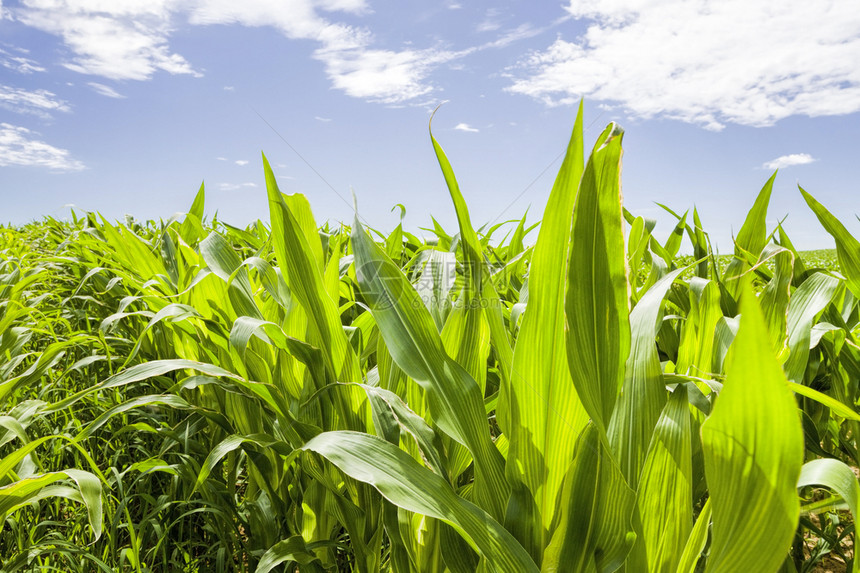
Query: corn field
(185, 395)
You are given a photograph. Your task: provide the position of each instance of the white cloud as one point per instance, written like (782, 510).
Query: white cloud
(19, 146)
(383, 75)
(39, 103)
(106, 91)
(351, 63)
(466, 127)
(20, 64)
(242, 162)
(296, 19)
(229, 88)
(322, 119)
(491, 21)
(521, 32)
(116, 40)
(130, 40)
(221, 158)
(748, 62)
(235, 186)
(789, 160)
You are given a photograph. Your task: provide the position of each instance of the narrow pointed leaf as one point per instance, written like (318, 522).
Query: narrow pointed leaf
(751, 239)
(598, 332)
(753, 448)
(665, 496)
(595, 532)
(456, 403)
(644, 392)
(847, 246)
(541, 401)
(807, 302)
(402, 481)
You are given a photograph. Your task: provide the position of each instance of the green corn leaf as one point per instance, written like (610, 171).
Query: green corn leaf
(466, 338)
(701, 247)
(807, 302)
(847, 247)
(302, 262)
(292, 549)
(596, 304)
(224, 262)
(473, 253)
(388, 407)
(545, 412)
(696, 541)
(838, 407)
(673, 243)
(644, 392)
(245, 327)
(541, 402)
(403, 482)
(751, 239)
(665, 490)
(724, 335)
(456, 403)
(753, 448)
(232, 443)
(22, 492)
(199, 201)
(46, 360)
(170, 400)
(775, 297)
(595, 531)
(838, 477)
(699, 333)
(191, 228)
(479, 292)
(298, 432)
(799, 267)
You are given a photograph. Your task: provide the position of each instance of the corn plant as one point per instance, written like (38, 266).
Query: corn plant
(185, 395)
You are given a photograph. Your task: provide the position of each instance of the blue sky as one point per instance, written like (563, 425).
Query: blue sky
(125, 106)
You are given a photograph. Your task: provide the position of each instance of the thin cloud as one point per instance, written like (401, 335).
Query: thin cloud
(521, 32)
(221, 158)
(39, 103)
(241, 162)
(19, 146)
(466, 127)
(236, 186)
(704, 62)
(789, 160)
(20, 64)
(106, 91)
(322, 119)
(491, 21)
(229, 88)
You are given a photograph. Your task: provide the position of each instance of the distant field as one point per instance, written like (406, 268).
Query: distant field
(822, 258)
